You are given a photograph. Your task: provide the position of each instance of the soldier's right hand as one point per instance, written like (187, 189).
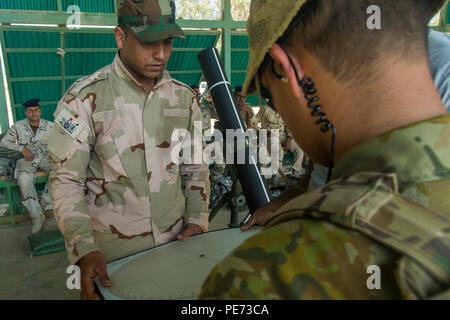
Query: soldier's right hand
(27, 154)
(92, 265)
(260, 215)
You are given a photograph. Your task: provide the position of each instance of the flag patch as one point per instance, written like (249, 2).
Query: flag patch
(69, 124)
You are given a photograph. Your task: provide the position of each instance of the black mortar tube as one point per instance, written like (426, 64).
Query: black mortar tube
(256, 191)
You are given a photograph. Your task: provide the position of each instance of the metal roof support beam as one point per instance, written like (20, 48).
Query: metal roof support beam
(226, 37)
(62, 37)
(4, 122)
(54, 17)
(59, 4)
(8, 74)
(104, 19)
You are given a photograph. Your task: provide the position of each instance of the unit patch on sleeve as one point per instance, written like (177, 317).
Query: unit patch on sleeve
(69, 123)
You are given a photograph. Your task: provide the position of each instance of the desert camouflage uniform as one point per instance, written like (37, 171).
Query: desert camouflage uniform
(297, 256)
(208, 113)
(297, 151)
(21, 136)
(271, 121)
(114, 184)
(249, 122)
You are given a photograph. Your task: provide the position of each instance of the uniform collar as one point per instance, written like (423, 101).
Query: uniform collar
(417, 153)
(123, 72)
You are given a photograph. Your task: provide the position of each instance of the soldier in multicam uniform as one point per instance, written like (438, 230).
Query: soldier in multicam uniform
(387, 206)
(30, 137)
(116, 188)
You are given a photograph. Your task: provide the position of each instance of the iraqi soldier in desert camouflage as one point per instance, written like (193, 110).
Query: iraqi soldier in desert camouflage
(380, 229)
(30, 137)
(247, 114)
(292, 145)
(271, 121)
(206, 107)
(116, 186)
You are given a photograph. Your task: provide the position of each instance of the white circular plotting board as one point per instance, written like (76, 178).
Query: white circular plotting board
(173, 271)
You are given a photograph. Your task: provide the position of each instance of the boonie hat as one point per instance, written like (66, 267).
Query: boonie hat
(268, 20)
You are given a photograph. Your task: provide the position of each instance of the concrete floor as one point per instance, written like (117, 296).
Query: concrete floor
(44, 277)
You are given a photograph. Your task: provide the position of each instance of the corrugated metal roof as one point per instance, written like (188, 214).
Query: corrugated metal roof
(448, 15)
(33, 64)
(77, 64)
(196, 41)
(17, 39)
(46, 90)
(84, 63)
(90, 40)
(239, 42)
(103, 6)
(239, 60)
(47, 5)
(100, 6)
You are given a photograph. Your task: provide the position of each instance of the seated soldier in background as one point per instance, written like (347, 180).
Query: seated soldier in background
(380, 228)
(30, 137)
(247, 114)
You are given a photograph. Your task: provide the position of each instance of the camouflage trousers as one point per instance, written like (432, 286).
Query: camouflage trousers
(115, 245)
(26, 177)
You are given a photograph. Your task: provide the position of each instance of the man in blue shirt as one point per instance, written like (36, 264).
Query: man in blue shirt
(439, 58)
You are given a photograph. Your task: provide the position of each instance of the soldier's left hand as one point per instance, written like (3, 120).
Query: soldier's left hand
(189, 230)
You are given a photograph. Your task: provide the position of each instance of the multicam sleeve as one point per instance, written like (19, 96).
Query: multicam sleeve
(196, 185)
(10, 139)
(70, 142)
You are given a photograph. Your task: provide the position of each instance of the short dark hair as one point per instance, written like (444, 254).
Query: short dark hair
(237, 89)
(336, 33)
(124, 27)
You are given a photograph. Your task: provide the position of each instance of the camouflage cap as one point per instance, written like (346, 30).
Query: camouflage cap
(267, 22)
(150, 20)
